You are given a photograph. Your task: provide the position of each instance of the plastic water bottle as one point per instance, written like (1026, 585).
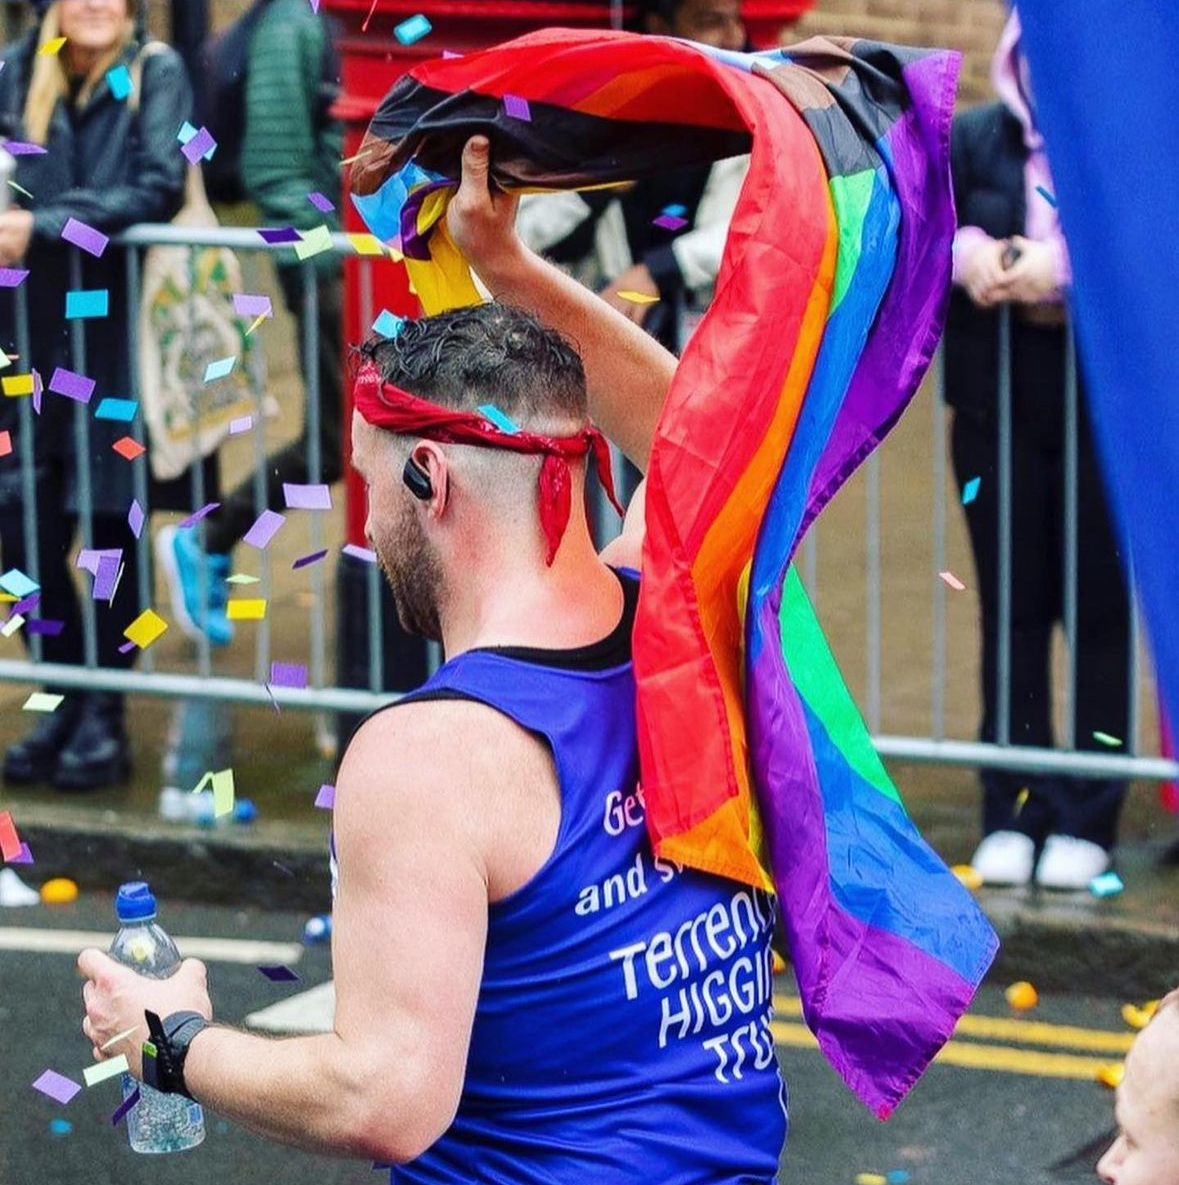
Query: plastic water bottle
(158, 1122)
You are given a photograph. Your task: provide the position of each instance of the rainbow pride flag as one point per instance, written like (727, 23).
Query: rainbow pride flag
(828, 308)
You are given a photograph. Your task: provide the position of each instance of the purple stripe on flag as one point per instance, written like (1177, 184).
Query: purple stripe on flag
(86, 237)
(264, 529)
(288, 674)
(306, 497)
(71, 385)
(12, 277)
(197, 515)
(304, 560)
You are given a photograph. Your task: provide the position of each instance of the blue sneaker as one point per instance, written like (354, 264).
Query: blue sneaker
(182, 559)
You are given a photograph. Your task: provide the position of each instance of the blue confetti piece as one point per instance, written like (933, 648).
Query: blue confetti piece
(17, 584)
(83, 303)
(122, 410)
(897, 1177)
(60, 1127)
(220, 369)
(1046, 196)
(490, 412)
(970, 490)
(388, 324)
(1108, 884)
(676, 211)
(119, 80)
(413, 29)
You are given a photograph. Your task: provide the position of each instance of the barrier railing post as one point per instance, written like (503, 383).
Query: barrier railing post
(85, 490)
(1003, 664)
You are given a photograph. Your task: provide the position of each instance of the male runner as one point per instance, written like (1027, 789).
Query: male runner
(524, 994)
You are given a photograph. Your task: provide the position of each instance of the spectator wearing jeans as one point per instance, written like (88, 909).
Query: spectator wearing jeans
(292, 149)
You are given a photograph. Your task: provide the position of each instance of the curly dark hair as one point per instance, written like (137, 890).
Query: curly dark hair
(487, 353)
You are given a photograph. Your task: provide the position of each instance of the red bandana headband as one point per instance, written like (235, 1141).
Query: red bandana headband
(387, 406)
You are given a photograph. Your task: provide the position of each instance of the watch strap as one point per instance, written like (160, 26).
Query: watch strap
(165, 1051)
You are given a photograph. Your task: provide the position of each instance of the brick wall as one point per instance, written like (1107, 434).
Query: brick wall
(972, 26)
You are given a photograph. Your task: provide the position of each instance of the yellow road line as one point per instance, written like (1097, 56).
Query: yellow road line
(1001, 1058)
(1005, 1028)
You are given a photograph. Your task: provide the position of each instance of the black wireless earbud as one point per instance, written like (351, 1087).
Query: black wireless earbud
(417, 481)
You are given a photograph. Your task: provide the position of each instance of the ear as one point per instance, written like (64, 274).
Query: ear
(431, 460)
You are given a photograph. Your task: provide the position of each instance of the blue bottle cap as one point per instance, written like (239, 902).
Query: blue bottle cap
(134, 902)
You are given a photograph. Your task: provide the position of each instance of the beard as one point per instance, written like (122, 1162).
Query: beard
(414, 574)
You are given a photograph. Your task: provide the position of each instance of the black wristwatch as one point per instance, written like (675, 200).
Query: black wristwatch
(167, 1047)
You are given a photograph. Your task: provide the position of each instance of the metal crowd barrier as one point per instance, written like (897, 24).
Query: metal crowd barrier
(322, 695)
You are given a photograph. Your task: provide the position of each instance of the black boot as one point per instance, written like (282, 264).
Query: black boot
(34, 758)
(97, 754)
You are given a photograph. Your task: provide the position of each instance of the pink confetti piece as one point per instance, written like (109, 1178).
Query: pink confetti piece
(264, 529)
(121, 1110)
(136, 518)
(305, 560)
(198, 146)
(57, 1086)
(952, 581)
(306, 497)
(12, 277)
(9, 840)
(324, 204)
(240, 425)
(364, 27)
(246, 304)
(357, 552)
(197, 515)
(326, 798)
(517, 107)
(86, 237)
(670, 222)
(72, 385)
(277, 973)
(288, 674)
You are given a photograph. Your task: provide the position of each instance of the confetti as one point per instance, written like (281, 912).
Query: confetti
(17, 384)
(286, 234)
(51, 47)
(241, 578)
(366, 244)
(12, 277)
(277, 973)
(388, 324)
(104, 1070)
(223, 793)
(118, 1037)
(504, 423)
(968, 875)
(9, 840)
(45, 627)
(57, 1086)
(970, 490)
(246, 304)
(83, 303)
(11, 625)
(324, 204)
(106, 579)
(306, 497)
(1021, 799)
(365, 554)
(246, 610)
(145, 629)
(676, 211)
(122, 411)
(871, 1179)
(264, 529)
(314, 242)
(517, 107)
(669, 222)
(23, 148)
(952, 581)
(60, 1127)
(1103, 738)
(24, 856)
(1048, 197)
(1111, 1075)
(413, 29)
(92, 241)
(5, 443)
(1022, 996)
(254, 324)
(42, 701)
(200, 145)
(128, 448)
(240, 425)
(219, 369)
(14, 581)
(121, 1110)
(20, 189)
(897, 1177)
(197, 515)
(1108, 884)
(119, 80)
(364, 27)
(288, 674)
(326, 798)
(73, 386)
(638, 297)
(305, 560)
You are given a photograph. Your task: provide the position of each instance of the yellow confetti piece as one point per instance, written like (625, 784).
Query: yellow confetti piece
(366, 244)
(1139, 1018)
(257, 322)
(638, 297)
(223, 793)
(314, 242)
(779, 963)
(246, 610)
(1112, 1075)
(1022, 996)
(50, 48)
(145, 629)
(17, 384)
(1021, 799)
(871, 1179)
(42, 701)
(968, 875)
(104, 1070)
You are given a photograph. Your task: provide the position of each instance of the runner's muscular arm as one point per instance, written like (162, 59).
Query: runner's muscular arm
(628, 373)
(409, 927)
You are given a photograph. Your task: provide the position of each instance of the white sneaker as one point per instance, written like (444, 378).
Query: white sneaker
(1070, 863)
(1005, 858)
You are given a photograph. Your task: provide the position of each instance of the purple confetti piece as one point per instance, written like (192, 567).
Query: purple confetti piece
(304, 560)
(71, 385)
(197, 515)
(89, 558)
(321, 203)
(106, 579)
(670, 222)
(38, 389)
(287, 234)
(121, 1110)
(246, 304)
(46, 627)
(136, 518)
(12, 277)
(24, 856)
(23, 148)
(277, 973)
(264, 529)
(360, 553)
(57, 1086)
(27, 605)
(288, 674)
(240, 425)
(86, 237)
(517, 107)
(126, 647)
(326, 798)
(306, 497)
(198, 146)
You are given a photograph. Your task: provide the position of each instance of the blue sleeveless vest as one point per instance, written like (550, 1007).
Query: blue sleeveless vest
(623, 1025)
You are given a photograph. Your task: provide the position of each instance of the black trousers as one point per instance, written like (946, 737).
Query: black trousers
(1082, 807)
(238, 512)
(56, 530)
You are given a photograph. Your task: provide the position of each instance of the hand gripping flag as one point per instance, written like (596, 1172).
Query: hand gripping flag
(829, 305)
